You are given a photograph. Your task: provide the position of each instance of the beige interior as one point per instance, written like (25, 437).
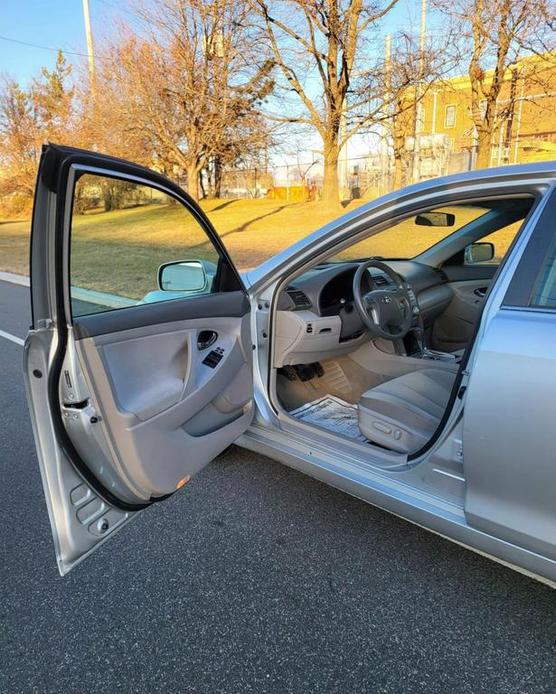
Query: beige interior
(400, 400)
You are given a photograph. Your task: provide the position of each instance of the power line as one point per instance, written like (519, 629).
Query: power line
(44, 48)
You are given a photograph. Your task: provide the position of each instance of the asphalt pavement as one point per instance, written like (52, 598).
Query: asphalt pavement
(254, 578)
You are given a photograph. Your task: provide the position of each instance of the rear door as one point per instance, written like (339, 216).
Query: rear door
(138, 361)
(509, 436)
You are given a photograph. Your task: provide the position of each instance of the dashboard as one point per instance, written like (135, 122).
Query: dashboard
(316, 312)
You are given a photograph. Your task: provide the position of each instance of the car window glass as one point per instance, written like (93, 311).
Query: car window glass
(121, 234)
(544, 289)
(501, 239)
(407, 238)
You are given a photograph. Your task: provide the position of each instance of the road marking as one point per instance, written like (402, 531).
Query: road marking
(12, 338)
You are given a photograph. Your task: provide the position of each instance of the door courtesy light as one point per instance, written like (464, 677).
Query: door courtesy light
(183, 482)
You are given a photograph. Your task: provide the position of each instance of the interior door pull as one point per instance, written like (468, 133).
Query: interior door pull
(206, 338)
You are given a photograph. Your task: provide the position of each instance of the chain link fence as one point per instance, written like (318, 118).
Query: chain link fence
(366, 176)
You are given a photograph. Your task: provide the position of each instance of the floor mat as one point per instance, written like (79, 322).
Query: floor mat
(331, 413)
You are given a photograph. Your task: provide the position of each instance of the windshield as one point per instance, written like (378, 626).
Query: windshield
(414, 235)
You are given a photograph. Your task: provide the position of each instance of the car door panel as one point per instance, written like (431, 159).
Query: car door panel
(126, 404)
(453, 329)
(508, 436)
(228, 304)
(150, 386)
(469, 273)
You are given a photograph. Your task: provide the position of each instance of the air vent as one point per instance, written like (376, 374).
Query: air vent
(299, 298)
(380, 281)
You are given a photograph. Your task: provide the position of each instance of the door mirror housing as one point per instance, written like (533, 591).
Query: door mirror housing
(183, 276)
(435, 219)
(481, 252)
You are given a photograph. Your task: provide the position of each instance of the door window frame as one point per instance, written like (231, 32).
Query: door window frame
(78, 170)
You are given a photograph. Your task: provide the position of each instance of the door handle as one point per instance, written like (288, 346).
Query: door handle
(480, 292)
(206, 338)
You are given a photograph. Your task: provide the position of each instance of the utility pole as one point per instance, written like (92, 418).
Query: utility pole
(389, 130)
(89, 35)
(418, 115)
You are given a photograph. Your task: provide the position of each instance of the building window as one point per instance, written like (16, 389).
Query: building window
(450, 116)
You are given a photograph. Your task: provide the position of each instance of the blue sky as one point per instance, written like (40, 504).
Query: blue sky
(59, 24)
(51, 23)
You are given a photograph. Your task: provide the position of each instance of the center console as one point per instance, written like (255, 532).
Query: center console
(415, 346)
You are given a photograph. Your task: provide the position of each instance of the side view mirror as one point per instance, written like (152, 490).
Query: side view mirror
(480, 252)
(182, 276)
(435, 219)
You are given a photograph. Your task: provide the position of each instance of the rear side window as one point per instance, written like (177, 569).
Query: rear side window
(544, 289)
(133, 244)
(534, 282)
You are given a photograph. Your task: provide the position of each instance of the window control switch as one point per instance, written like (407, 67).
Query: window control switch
(213, 358)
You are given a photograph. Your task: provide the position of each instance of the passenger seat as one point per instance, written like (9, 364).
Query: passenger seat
(402, 414)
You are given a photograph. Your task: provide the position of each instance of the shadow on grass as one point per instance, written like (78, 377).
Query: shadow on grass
(246, 225)
(15, 221)
(223, 205)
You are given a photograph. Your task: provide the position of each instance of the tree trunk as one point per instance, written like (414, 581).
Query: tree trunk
(330, 189)
(399, 171)
(484, 141)
(193, 181)
(201, 185)
(217, 177)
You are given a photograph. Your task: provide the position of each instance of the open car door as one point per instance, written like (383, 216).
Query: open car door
(138, 362)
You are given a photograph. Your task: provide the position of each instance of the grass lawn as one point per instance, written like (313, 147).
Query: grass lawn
(141, 238)
(14, 247)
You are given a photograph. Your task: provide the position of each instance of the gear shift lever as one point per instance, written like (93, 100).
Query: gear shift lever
(419, 335)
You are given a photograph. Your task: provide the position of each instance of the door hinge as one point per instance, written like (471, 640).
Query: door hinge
(44, 324)
(461, 392)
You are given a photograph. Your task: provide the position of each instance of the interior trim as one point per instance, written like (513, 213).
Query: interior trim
(218, 305)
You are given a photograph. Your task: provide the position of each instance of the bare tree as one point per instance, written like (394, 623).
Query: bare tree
(325, 39)
(187, 88)
(411, 71)
(497, 34)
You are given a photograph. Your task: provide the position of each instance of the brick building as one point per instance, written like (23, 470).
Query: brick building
(445, 134)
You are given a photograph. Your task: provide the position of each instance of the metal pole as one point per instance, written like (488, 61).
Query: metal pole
(89, 36)
(387, 149)
(519, 116)
(418, 91)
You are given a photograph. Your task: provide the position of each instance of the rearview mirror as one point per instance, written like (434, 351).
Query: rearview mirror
(182, 276)
(481, 252)
(435, 219)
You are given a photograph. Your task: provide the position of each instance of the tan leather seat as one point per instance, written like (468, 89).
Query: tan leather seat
(403, 414)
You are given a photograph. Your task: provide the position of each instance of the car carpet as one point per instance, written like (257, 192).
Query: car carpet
(342, 377)
(332, 413)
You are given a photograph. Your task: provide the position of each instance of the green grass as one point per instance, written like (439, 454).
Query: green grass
(142, 238)
(14, 247)
(119, 252)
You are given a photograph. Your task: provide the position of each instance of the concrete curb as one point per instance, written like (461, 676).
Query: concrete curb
(93, 297)
(22, 280)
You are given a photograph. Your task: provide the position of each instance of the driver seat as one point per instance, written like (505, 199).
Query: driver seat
(402, 414)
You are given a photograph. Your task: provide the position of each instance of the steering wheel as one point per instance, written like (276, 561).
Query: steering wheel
(388, 312)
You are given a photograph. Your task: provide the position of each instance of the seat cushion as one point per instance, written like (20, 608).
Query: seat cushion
(403, 414)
